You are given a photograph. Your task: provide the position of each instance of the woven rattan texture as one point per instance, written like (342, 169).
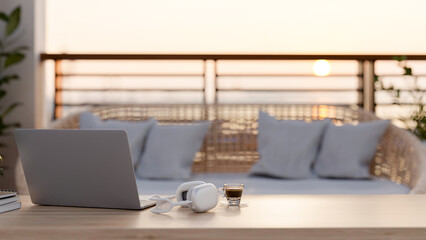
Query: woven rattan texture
(231, 146)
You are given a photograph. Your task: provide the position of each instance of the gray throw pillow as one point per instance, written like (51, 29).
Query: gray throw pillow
(347, 150)
(170, 151)
(287, 148)
(136, 130)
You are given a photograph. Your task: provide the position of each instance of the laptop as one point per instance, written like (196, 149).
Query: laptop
(79, 168)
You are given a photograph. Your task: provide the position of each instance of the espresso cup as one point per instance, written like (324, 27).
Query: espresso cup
(233, 193)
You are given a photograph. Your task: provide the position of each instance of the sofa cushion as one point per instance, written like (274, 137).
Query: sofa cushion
(287, 148)
(346, 151)
(170, 151)
(136, 130)
(263, 185)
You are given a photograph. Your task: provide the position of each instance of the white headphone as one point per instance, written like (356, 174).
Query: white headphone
(197, 195)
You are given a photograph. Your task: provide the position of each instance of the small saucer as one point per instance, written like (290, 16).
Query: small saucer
(225, 203)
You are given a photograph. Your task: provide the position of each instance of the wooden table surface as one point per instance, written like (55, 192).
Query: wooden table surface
(265, 217)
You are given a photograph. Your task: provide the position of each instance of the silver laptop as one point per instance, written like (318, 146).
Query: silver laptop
(81, 168)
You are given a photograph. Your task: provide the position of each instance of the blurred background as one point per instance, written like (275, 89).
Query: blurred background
(56, 85)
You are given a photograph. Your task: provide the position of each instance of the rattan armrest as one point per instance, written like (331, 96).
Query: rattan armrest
(399, 157)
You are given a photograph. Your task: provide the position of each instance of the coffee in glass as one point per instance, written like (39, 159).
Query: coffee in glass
(233, 193)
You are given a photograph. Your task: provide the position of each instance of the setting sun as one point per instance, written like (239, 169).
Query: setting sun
(322, 68)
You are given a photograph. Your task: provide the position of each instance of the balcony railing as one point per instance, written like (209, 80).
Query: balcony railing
(216, 80)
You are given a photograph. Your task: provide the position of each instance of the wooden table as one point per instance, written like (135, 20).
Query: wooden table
(266, 217)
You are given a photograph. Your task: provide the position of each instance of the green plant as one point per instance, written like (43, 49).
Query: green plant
(9, 56)
(416, 121)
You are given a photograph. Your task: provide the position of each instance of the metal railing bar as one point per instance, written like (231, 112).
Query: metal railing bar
(395, 104)
(400, 75)
(199, 75)
(123, 104)
(128, 75)
(284, 75)
(219, 75)
(401, 90)
(126, 90)
(286, 90)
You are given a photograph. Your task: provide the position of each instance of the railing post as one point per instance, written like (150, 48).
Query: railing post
(360, 85)
(204, 81)
(57, 110)
(368, 85)
(216, 89)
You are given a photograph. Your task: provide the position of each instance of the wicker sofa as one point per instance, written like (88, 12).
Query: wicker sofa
(230, 145)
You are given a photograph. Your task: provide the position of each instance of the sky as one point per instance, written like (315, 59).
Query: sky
(237, 26)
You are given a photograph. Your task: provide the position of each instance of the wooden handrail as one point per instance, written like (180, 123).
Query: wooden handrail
(78, 56)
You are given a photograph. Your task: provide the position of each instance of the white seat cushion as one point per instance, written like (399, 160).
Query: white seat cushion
(262, 185)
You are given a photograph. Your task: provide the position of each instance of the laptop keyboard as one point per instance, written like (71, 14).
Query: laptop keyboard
(146, 204)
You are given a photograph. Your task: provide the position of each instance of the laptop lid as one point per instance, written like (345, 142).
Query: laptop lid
(82, 168)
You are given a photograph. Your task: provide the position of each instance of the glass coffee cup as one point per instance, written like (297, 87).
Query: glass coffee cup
(233, 193)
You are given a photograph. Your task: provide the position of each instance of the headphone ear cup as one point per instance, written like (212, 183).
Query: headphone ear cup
(203, 197)
(183, 190)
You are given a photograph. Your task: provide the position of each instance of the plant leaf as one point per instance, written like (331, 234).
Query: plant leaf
(2, 94)
(13, 59)
(14, 19)
(399, 58)
(9, 110)
(408, 71)
(11, 125)
(8, 78)
(4, 17)
(376, 78)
